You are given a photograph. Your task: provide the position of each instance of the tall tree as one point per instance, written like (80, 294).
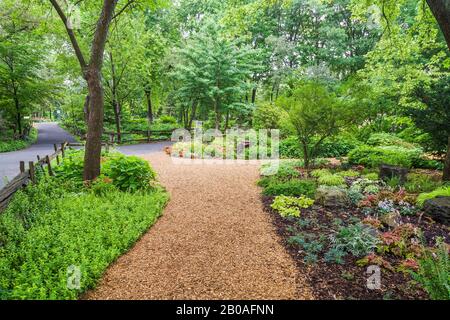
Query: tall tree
(91, 71)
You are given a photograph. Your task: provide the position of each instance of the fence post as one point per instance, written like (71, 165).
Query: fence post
(111, 137)
(49, 166)
(55, 147)
(63, 145)
(32, 172)
(22, 166)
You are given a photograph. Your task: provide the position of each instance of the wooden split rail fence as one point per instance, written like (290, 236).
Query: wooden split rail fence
(29, 175)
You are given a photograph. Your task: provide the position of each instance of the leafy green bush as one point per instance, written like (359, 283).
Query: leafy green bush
(331, 180)
(290, 148)
(375, 156)
(18, 144)
(348, 173)
(62, 229)
(434, 272)
(371, 176)
(420, 183)
(290, 206)
(388, 139)
(166, 119)
(129, 173)
(71, 168)
(356, 239)
(442, 191)
(317, 173)
(291, 188)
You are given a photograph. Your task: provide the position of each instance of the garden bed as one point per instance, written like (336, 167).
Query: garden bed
(337, 272)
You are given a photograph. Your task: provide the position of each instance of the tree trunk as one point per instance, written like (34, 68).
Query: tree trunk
(95, 127)
(254, 95)
(148, 94)
(194, 109)
(446, 173)
(116, 108)
(18, 115)
(86, 109)
(305, 155)
(227, 119)
(441, 11)
(92, 74)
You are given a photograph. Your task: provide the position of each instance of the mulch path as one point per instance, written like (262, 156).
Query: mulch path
(214, 241)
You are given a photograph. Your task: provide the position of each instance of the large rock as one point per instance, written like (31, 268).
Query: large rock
(331, 197)
(439, 209)
(388, 172)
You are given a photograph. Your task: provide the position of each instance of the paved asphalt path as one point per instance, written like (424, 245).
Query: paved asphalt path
(50, 133)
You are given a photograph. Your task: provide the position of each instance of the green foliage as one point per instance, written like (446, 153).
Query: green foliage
(317, 173)
(315, 113)
(290, 206)
(266, 116)
(356, 239)
(371, 176)
(331, 180)
(418, 183)
(18, 144)
(47, 229)
(442, 191)
(434, 272)
(291, 188)
(166, 119)
(375, 156)
(434, 114)
(129, 173)
(290, 148)
(387, 139)
(71, 168)
(310, 246)
(348, 173)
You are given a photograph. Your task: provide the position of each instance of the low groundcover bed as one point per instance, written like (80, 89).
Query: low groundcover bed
(52, 229)
(351, 221)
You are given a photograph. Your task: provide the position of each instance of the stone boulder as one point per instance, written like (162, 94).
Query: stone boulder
(331, 197)
(439, 209)
(388, 172)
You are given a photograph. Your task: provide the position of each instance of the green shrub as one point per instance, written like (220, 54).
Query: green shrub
(9, 145)
(290, 206)
(434, 272)
(420, 183)
(331, 180)
(371, 176)
(291, 188)
(356, 239)
(71, 168)
(79, 229)
(442, 191)
(166, 119)
(375, 156)
(348, 173)
(320, 172)
(129, 173)
(388, 139)
(290, 148)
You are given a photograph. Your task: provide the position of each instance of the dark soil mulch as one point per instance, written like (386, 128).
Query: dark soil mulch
(349, 281)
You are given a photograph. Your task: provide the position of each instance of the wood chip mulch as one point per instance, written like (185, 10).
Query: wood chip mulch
(214, 241)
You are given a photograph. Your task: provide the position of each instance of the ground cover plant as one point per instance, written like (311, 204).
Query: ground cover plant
(371, 224)
(59, 224)
(8, 144)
